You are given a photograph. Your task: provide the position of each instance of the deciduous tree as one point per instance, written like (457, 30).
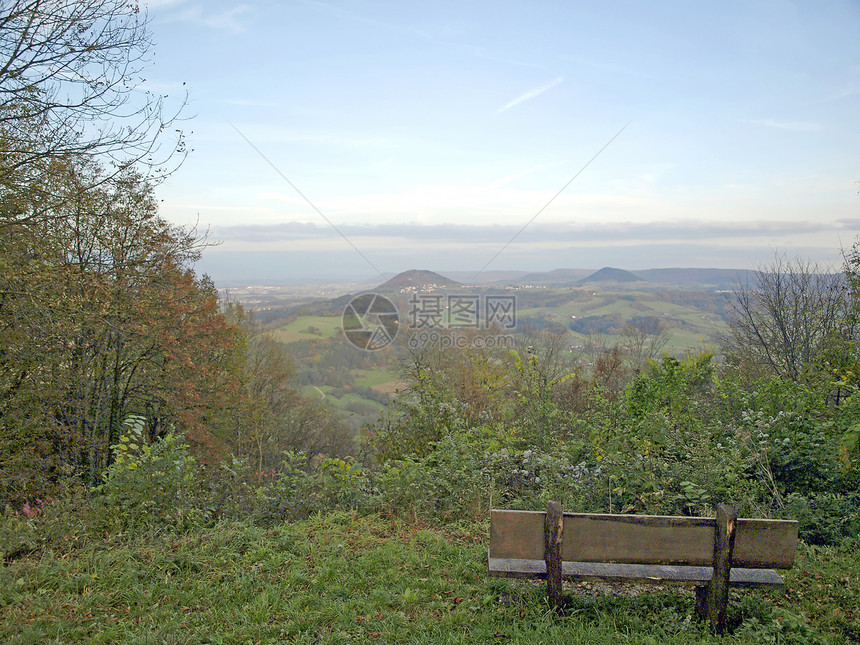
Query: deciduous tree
(71, 85)
(102, 318)
(784, 318)
(643, 339)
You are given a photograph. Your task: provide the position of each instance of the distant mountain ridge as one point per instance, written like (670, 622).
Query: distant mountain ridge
(716, 278)
(333, 301)
(681, 277)
(556, 277)
(611, 274)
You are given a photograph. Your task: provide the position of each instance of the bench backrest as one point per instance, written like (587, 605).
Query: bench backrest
(643, 539)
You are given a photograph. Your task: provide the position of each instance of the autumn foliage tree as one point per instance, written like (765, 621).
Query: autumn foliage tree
(103, 317)
(271, 417)
(103, 321)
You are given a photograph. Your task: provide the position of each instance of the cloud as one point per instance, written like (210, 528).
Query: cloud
(548, 235)
(851, 88)
(794, 126)
(309, 250)
(530, 95)
(480, 53)
(249, 103)
(227, 20)
(519, 175)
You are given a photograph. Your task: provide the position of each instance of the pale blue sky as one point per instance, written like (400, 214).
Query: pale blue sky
(430, 133)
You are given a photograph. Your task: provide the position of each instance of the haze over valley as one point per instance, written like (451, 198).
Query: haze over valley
(587, 312)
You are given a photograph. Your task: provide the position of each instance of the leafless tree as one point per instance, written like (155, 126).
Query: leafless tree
(644, 339)
(784, 317)
(71, 85)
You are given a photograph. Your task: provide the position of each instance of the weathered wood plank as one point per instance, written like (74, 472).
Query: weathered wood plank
(645, 539)
(647, 520)
(513, 568)
(516, 568)
(765, 543)
(517, 534)
(755, 578)
(552, 552)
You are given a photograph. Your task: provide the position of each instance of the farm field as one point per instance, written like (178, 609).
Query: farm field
(327, 393)
(308, 328)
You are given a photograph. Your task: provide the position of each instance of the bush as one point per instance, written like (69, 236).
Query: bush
(450, 482)
(149, 485)
(825, 519)
(467, 474)
(50, 523)
(302, 488)
(799, 457)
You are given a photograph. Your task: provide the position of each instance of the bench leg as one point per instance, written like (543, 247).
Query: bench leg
(552, 553)
(713, 600)
(702, 602)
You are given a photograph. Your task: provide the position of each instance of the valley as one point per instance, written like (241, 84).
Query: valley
(586, 313)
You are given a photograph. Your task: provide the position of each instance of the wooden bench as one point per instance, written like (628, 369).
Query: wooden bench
(710, 553)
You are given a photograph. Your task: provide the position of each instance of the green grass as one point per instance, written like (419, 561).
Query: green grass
(314, 392)
(345, 578)
(338, 402)
(308, 328)
(370, 378)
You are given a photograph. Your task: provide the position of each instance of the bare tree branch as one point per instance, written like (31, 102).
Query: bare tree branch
(782, 319)
(71, 84)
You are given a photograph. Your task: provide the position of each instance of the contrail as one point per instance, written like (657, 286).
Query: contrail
(530, 95)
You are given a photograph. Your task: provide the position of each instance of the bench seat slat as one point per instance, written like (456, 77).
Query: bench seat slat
(518, 568)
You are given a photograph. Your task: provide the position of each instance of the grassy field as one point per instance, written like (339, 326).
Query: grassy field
(376, 378)
(314, 392)
(309, 328)
(627, 305)
(345, 578)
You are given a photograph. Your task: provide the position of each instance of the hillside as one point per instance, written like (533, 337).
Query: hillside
(610, 274)
(417, 280)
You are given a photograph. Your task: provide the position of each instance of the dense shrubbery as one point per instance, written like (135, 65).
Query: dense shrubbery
(676, 440)
(149, 484)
